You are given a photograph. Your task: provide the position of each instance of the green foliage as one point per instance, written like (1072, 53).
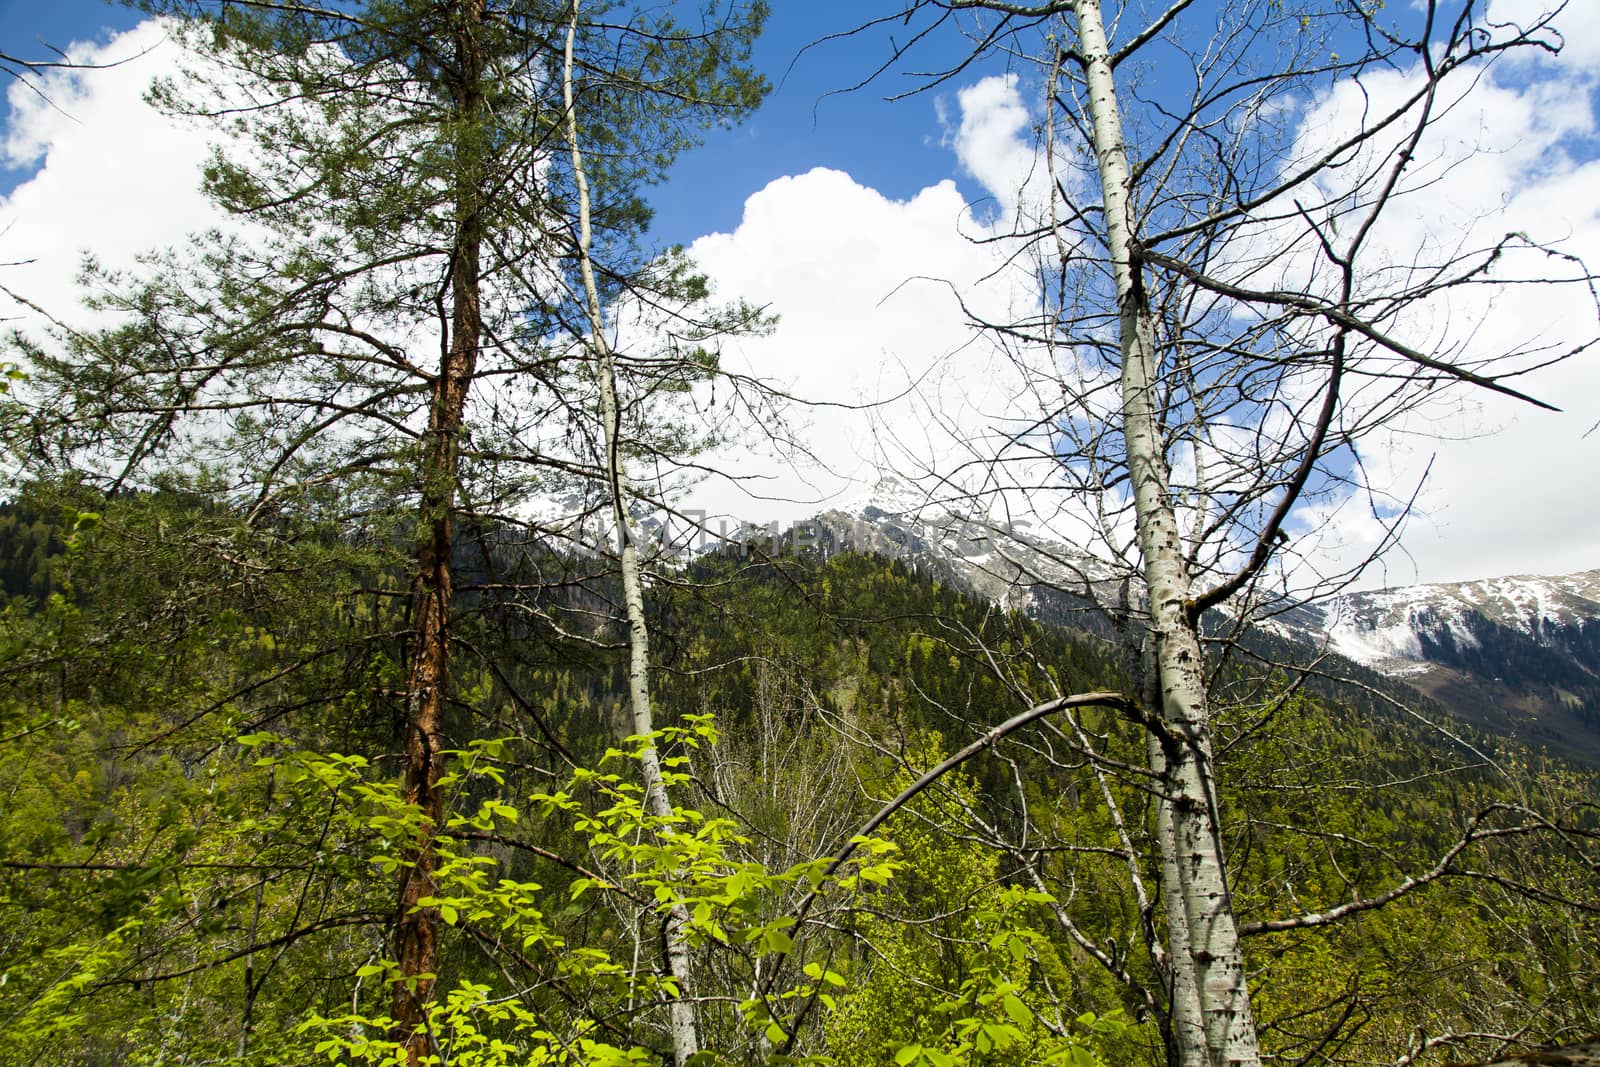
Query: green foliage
(391, 141)
(956, 968)
(682, 859)
(139, 836)
(145, 857)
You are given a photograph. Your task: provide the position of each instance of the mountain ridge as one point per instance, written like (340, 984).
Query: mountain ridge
(1517, 655)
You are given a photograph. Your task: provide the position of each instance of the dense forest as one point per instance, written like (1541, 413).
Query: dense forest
(361, 701)
(202, 822)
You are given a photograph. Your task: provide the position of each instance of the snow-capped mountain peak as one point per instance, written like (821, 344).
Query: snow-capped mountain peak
(1394, 630)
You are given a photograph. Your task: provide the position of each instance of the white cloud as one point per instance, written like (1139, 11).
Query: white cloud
(866, 289)
(1506, 486)
(993, 142)
(114, 178)
(1572, 20)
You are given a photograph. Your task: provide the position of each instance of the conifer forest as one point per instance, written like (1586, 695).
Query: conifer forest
(372, 692)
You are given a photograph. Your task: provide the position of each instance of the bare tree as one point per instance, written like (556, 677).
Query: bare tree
(685, 1037)
(1222, 323)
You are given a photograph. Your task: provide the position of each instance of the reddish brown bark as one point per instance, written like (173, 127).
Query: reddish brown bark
(417, 926)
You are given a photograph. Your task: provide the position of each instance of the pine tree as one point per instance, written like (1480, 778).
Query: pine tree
(389, 331)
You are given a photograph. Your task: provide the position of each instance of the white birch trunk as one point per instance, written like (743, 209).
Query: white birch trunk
(1200, 905)
(1185, 1014)
(685, 1039)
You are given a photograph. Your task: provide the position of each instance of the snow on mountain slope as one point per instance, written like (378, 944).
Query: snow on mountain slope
(1518, 656)
(1390, 630)
(1397, 631)
(1003, 559)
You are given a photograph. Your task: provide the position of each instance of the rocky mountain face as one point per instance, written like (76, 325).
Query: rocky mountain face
(1518, 656)
(1002, 562)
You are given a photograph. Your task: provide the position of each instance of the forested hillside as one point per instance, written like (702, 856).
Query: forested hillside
(382, 683)
(1517, 655)
(201, 820)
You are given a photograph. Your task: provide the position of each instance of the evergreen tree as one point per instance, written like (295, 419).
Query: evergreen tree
(385, 334)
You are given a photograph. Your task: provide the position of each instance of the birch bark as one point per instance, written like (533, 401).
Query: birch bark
(1186, 1033)
(1198, 905)
(685, 1039)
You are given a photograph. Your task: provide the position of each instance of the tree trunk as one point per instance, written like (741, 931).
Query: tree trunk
(1186, 1035)
(685, 1039)
(417, 926)
(1199, 905)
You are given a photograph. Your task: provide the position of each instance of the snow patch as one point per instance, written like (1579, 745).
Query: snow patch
(1384, 629)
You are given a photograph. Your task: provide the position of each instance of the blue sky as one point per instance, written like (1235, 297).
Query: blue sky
(894, 147)
(29, 28)
(854, 219)
(806, 122)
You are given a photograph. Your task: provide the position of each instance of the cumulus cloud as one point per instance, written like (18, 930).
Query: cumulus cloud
(993, 142)
(113, 177)
(1568, 23)
(876, 297)
(1499, 478)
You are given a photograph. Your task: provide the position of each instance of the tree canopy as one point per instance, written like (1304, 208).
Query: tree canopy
(326, 735)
